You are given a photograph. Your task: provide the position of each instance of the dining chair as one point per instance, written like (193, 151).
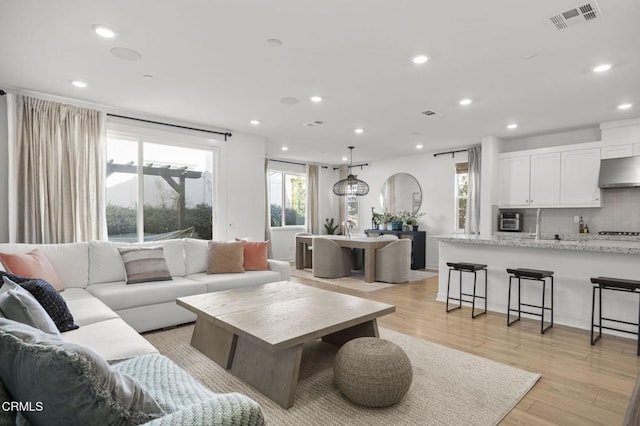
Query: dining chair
(393, 262)
(329, 259)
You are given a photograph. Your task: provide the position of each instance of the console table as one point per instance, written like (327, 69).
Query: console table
(418, 244)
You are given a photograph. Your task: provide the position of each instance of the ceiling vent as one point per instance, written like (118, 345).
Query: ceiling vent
(586, 12)
(430, 113)
(314, 123)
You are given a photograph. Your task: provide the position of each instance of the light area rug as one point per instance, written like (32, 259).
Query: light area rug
(449, 387)
(356, 280)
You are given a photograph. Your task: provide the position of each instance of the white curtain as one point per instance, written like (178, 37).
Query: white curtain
(472, 223)
(267, 216)
(343, 172)
(57, 180)
(312, 220)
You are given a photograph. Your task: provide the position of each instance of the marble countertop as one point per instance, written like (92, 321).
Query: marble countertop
(591, 242)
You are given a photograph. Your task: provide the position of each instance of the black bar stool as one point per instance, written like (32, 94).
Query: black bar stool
(471, 268)
(614, 284)
(531, 275)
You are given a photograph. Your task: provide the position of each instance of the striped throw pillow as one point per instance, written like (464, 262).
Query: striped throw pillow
(144, 264)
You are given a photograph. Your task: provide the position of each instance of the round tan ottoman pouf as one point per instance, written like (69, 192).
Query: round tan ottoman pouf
(373, 372)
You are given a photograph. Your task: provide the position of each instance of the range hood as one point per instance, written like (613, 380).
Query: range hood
(620, 172)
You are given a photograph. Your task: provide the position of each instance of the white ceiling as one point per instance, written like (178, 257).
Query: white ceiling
(211, 66)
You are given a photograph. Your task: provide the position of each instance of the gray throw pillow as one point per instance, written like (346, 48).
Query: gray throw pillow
(19, 305)
(7, 415)
(144, 264)
(74, 384)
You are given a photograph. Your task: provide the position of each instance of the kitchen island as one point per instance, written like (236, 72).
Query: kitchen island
(574, 261)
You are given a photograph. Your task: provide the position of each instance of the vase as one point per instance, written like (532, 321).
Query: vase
(415, 227)
(396, 225)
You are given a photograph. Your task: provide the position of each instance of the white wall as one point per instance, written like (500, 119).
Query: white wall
(4, 172)
(551, 139)
(244, 210)
(436, 176)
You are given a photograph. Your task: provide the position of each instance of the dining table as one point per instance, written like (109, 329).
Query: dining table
(368, 244)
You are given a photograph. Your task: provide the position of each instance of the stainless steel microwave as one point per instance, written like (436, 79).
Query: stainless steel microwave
(510, 222)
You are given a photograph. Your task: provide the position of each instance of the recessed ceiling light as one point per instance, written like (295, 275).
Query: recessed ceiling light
(359, 131)
(147, 77)
(289, 101)
(512, 126)
(126, 54)
(316, 99)
(465, 102)
(78, 83)
(625, 106)
(419, 146)
(285, 148)
(419, 59)
(345, 159)
(255, 122)
(103, 31)
(602, 68)
(273, 42)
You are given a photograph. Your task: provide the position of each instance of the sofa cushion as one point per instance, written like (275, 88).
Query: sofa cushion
(70, 260)
(105, 263)
(19, 305)
(196, 254)
(225, 257)
(112, 339)
(74, 385)
(254, 255)
(50, 299)
(87, 309)
(119, 295)
(217, 282)
(33, 265)
(144, 264)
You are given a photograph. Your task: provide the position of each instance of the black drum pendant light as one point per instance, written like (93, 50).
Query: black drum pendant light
(351, 185)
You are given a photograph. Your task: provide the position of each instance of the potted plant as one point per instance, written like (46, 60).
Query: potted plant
(412, 220)
(329, 226)
(386, 219)
(396, 222)
(376, 219)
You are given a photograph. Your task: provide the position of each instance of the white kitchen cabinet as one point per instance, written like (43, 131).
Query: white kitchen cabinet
(579, 178)
(544, 188)
(514, 181)
(616, 151)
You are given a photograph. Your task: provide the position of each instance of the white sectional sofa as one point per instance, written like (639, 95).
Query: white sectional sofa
(111, 313)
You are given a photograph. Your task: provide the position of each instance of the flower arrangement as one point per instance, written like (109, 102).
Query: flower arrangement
(409, 218)
(348, 225)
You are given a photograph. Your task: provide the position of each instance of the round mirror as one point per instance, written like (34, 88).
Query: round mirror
(401, 192)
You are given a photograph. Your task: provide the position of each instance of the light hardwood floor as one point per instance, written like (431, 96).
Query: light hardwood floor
(580, 385)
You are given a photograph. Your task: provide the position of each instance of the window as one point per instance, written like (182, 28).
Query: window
(289, 191)
(158, 191)
(462, 190)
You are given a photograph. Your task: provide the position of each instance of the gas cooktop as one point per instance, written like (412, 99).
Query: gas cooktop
(633, 234)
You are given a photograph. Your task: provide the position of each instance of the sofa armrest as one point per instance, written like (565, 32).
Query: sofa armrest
(282, 267)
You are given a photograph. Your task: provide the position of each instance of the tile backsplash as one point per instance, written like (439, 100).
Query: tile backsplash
(620, 211)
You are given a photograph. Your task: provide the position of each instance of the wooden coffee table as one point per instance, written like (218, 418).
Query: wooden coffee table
(258, 333)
